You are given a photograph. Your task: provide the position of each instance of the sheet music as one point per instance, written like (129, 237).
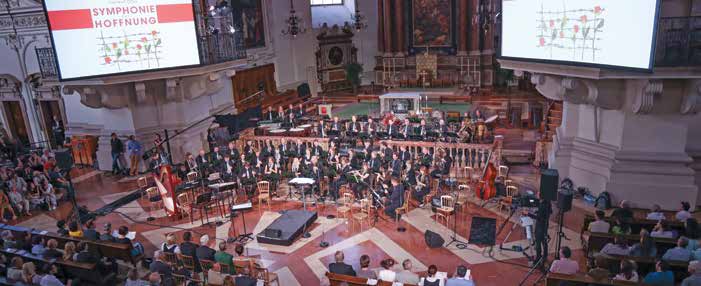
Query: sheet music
(221, 185)
(245, 205)
(302, 181)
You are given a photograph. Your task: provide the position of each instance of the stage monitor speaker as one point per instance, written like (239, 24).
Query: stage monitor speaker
(564, 201)
(64, 158)
(433, 240)
(273, 233)
(549, 180)
(483, 230)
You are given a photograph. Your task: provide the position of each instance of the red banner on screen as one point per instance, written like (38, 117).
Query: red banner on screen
(174, 13)
(82, 19)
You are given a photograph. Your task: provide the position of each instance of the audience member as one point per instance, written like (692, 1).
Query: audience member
(646, 247)
(83, 254)
(565, 265)
(224, 258)
(38, 245)
(68, 251)
(14, 272)
(387, 274)
(49, 278)
(655, 213)
(133, 278)
(406, 276)
(691, 231)
(160, 266)
(61, 225)
(628, 272)
(679, 253)
(229, 281)
(51, 251)
(107, 233)
(8, 239)
(431, 279)
(29, 273)
(621, 226)
(340, 267)
(170, 245)
(461, 278)
(204, 252)
(618, 247)
(662, 230)
(600, 224)
(623, 211)
(90, 233)
(662, 275)
(244, 278)
(694, 278)
(683, 214)
(599, 271)
(365, 271)
(122, 233)
(154, 279)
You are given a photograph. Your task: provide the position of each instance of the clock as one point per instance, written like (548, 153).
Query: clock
(335, 56)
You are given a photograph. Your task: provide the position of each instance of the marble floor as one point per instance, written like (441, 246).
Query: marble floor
(304, 262)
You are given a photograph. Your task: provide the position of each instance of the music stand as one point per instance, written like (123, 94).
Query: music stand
(245, 236)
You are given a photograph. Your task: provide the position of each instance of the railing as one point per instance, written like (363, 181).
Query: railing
(47, 63)
(678, 42)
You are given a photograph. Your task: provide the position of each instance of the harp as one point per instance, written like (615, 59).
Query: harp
(166, 182)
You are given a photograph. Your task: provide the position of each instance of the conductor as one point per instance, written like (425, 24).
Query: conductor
(395, 198)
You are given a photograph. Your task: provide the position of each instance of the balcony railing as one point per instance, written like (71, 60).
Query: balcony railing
(47, 63)
(678, 42)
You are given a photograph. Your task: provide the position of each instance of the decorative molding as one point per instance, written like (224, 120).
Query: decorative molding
(691, 101)
(31, 21)
(645, 100)
(140, 90)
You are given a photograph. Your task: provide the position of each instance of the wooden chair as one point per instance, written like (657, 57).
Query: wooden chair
(505, 202)
(347, 205)
(206, 265)
(154, 198)
(142, 183)
(170, 258)
(363, 214)
(263, 193)
(509, 182)
(179, 280)
(184, 202)
(267, 276)
(404, 209)
(240, 264)
(446, 209)
(188, 262)
(225, 269)
(503, 172)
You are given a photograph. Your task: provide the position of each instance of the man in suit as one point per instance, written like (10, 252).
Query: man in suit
(90, 232)
(300, 110)
(391, 129)
(462, 278)
(159, 266)
(270, 115)
(442, 128)
(422, 128)
(374, 162)
(336, 125)
(395, 198)
(321, 129)
(202, 163)
(280, 113)
(245, 279)
(355, 125)
(396, 165)
(190, 249)
(370, 127)
(407, 129)
(339, 267)
(216, 157)
(404, 154)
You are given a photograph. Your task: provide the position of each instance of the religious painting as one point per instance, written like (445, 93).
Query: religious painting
(251, 22)
(432, 23)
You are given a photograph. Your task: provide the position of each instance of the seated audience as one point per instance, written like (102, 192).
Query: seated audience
(646, 247)
(365, 271)
(14, 272)
(122, 233)
(214, 275)
(431, 279)
(204, 252)
(662, 230)
(29, 273)
(624, 211)
(49, 278)
(655, 213)
(244, 278)
(599, 271)
(83, 254)
(662, 275)
(74, 230)
(61, 225)
(51, 251)
(679, 253)
(170, 245)
(619, 246)
(107, 233)
(628, 272)
(224, 258)
(229, 281)
(90, 233)
(461, 278)
(694, 278)
(340, 267)
(154, 279)
(621, 226)
(565, 265)
(691, 231)
(599, 225)
(133, 278)
(68, 251)
(406, 276)
(683, 214)
(8, 239)
(160, 266)
(37, 245)
(387, 274)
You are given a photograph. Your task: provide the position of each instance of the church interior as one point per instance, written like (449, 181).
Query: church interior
(350, 142)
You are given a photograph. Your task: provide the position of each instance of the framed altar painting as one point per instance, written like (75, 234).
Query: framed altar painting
(251, 22)
(433, 23)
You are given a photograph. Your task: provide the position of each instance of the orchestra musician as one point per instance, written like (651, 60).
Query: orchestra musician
(300, 110)
(321, 129)
(233, 151)
(342, 178)
(280, 113)
(421, 189)
(216, 157)
(354, 125)
(271, 173)
(290, 121)
(228, 168)
(248, 178)
(391, 128)
(396, 198)
(422, 128)
(396, 165)
(407, 129)
(364, 178)
(426, 157)
(370, 128)
(404, 154)
(290, 109)
(336, 125)
(202, 164)
(442, 127)
(270, 115)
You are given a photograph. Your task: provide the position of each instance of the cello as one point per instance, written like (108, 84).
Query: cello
(487, 190)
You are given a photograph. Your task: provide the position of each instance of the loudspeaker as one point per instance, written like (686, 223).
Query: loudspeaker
(549, 179)
(273, 233)
(433, 240)
(64, 160)
(564, 201)
(483, 230)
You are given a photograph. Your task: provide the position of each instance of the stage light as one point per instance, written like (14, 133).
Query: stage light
(232, 29)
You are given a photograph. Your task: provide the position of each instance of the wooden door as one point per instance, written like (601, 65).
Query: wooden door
(49, 109)
(15, 121)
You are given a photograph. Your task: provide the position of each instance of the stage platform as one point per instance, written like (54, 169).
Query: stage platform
(291, 225)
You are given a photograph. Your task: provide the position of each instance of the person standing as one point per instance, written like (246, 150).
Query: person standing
(117, 150)
(134, 148)
(58, 132)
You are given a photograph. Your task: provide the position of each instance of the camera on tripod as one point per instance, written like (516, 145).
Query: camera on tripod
(525, 201)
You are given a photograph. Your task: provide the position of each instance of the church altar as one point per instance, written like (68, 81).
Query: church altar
(400, 102)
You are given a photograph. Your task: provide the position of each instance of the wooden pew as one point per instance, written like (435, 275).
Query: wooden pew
(338, 279)
(85, 271)
(106, 249)
(554, 279)
(597, 241)
(647, 265)
(637, 224)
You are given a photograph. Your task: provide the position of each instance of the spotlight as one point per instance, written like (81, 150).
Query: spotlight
(211, 8)
(232, 30)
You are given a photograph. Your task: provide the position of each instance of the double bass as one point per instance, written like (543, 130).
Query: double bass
(487, 190)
